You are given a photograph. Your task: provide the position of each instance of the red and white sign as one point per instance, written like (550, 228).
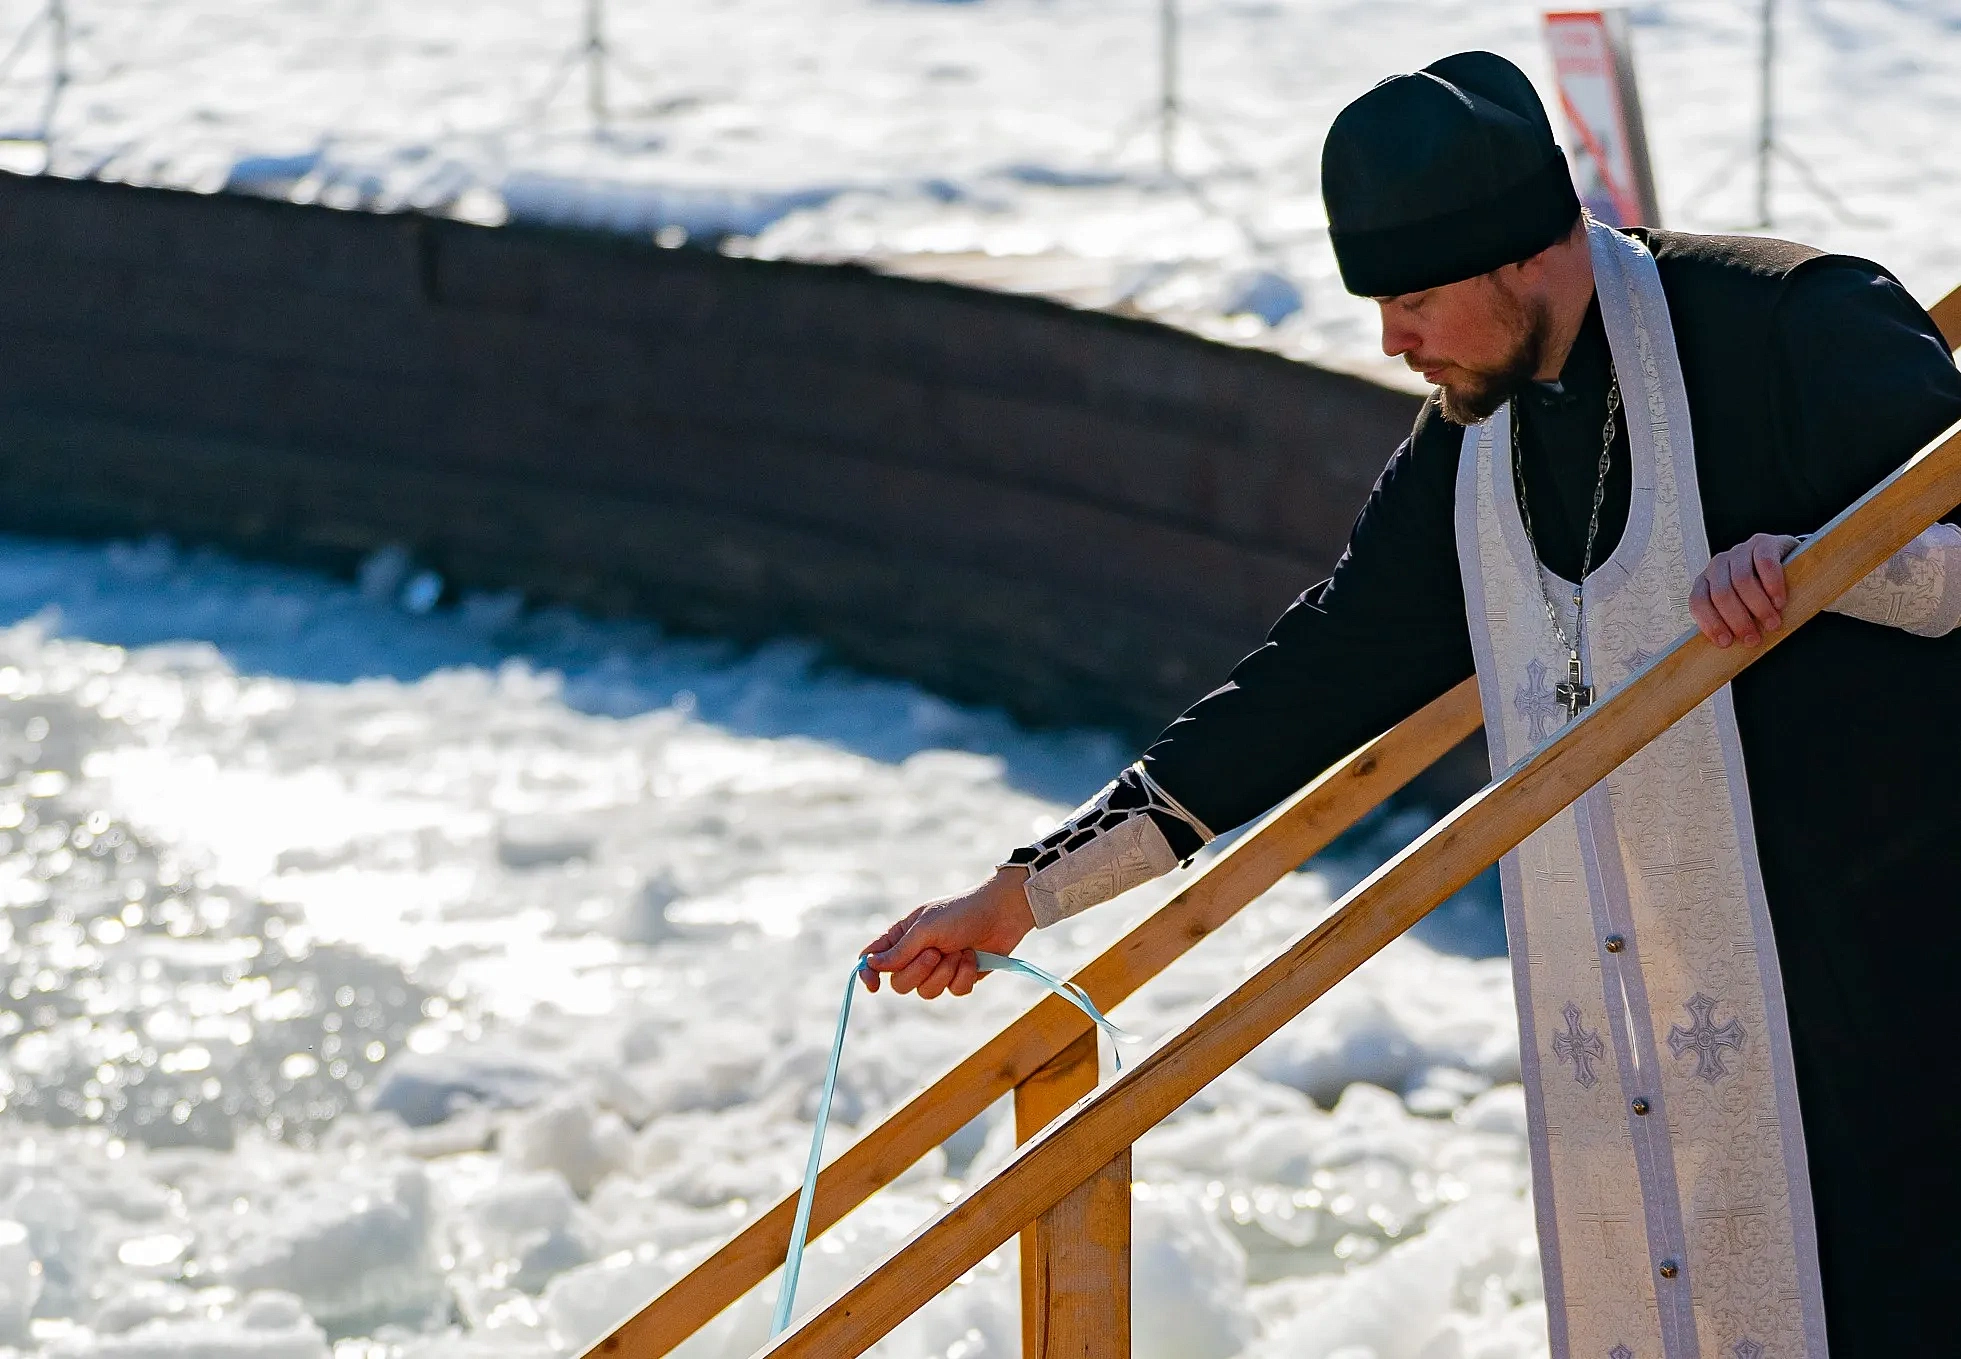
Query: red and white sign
(1606, 140)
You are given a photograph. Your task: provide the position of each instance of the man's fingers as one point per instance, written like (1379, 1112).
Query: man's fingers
(899, 945)
(941, 977)
(1705, 614)
(966, 974)
(1750, 590)
(1722, 593)
(1742, 593)
(1768, 554)
(902, 956)
(886, 940)
(908, 978)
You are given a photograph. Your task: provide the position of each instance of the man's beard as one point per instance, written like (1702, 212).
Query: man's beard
(1479, 397)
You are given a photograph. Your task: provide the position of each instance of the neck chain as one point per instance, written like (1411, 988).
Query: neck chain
(1572, 695)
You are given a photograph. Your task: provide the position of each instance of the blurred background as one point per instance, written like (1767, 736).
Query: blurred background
(1020, 145)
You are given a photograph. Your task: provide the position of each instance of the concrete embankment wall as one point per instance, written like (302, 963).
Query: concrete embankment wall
(1079, 516)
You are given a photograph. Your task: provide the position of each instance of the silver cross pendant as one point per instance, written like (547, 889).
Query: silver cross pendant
(1574, 696)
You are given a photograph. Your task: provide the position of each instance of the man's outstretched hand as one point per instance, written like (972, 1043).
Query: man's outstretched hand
(932, 950)
(1741, 593)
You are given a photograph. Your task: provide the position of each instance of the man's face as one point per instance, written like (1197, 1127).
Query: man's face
(1478, 340)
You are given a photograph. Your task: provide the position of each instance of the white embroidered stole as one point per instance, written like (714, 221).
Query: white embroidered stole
(1668, 1156)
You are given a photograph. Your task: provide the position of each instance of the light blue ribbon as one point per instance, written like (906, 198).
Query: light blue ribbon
(786, 1300)
(1068, 990)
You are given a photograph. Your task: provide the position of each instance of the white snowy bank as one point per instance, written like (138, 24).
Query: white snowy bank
(376, 991)
(1004, 142)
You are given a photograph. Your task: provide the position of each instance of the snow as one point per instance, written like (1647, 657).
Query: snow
(411, 984)
(1009, 143)
(20, 1282)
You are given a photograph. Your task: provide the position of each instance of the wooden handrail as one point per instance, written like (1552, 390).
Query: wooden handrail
(1292, 833)
(1396, 896)
(1947, 315)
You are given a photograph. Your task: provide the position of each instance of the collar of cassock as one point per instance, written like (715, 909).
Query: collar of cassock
(1582, 381)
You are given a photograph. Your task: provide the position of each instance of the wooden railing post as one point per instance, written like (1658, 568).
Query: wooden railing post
(1078, 1306)
(1075, 1257)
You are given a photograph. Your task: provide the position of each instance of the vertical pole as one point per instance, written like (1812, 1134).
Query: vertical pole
(58, 63)
(1082, 1300)
(1075, 1258)
(596, 61)
(1766, 135)
(1168, 86)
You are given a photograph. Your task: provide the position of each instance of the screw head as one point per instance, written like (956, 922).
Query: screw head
(1669, 1269)
(1615, 943)
(1640, 1106)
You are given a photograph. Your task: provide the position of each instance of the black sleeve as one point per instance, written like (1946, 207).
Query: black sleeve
(1349, 659)
(1866, 380)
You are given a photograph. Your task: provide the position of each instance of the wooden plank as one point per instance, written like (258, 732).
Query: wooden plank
(1077, 1305)
(1294, 832)
(1392, 899)
(909, 510)
(639, 379)
(1084, 1231)
(1947, 315)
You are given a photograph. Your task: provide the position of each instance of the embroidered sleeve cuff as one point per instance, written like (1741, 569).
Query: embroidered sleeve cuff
(1119, 839)
(1918, 589)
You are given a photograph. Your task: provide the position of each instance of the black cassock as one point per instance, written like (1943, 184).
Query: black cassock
(1810, 377)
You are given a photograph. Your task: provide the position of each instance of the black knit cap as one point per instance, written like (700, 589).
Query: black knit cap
(1443, 175)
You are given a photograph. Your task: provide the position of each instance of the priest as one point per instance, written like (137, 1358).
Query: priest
(1733, 996)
